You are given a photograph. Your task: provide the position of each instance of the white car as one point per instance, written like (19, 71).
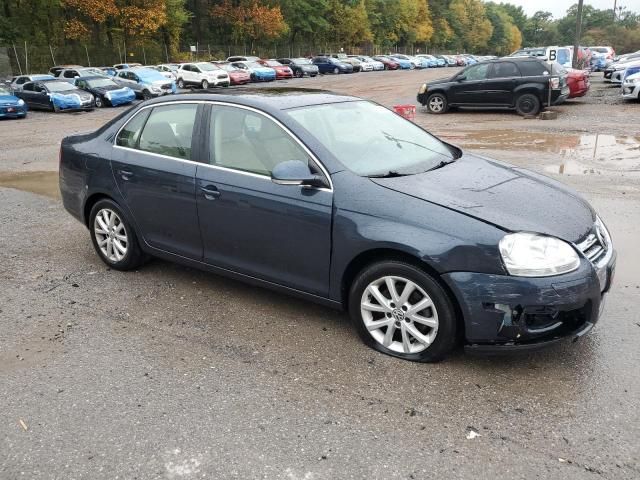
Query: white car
(168, 70)
(620, 69)
(365, 66)
(17, 82)
(377, 66)
(202, 74)
(415, 62)
(631, 87)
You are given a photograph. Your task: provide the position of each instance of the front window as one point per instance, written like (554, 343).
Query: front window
(370, 140)
(100, 82)
(477, 72)
(302, 61)
(169, 130)
(59, 86)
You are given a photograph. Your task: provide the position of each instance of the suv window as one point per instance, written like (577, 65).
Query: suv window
(533, 69)
(505, 70)
(250, 142)
(21, 80)
(69, 74)
(37, 87)
(169, 130)
(28, 87)
(477, 72)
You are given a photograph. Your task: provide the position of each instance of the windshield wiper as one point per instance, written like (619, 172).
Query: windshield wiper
(441, 164)
(389, 174)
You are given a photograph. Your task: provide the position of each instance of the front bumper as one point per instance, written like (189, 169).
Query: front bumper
(631, 91)
(505, 313)
(13, 111)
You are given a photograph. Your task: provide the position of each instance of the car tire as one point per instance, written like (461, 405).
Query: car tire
(204, 84)
(528, 104)
(55, 108)
(336, 70)
(99, 102)
(180, 83)
(425, 335)
(146, 95)
(299, 74)
(112, 233)
(437, 103)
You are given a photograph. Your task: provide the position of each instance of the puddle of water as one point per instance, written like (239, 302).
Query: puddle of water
(579, 154)
(41, 183)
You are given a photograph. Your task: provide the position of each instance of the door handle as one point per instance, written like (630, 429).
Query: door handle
(210, 192)
(125, 174)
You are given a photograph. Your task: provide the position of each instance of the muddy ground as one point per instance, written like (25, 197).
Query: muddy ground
(169, 372)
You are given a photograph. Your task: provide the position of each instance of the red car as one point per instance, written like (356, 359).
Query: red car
(578, 82)
(282, 71)
(236, 75)
(388, 63)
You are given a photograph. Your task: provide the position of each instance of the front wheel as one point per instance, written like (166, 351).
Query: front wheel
(528, 104)
(99, 102)
(437, 103)
(299, 73)
(180, 83)
(400, 310)
(336, 70)
(113, 237)
(146, 95)
(205, 84)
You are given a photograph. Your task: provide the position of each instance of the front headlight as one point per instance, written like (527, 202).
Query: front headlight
(534, 255)
(156, 89)
(107, 95)
(423, 88)
(20, 102)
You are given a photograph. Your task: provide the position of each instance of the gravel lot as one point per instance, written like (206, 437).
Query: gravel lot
(169, 372)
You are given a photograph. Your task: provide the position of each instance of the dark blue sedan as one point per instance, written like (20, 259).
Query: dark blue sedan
(340, 201)
(331, 65)
(11, 106)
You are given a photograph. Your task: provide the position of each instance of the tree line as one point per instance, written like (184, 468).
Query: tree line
(431, 25)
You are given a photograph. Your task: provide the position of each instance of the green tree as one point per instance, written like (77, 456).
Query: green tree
(470, 23)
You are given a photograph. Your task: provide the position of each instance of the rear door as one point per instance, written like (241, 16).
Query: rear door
(471, 89)
(278, 233)
(503, 79)
(154, 165)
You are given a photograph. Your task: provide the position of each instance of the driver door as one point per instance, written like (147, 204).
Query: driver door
(250, 225)
(471, 89)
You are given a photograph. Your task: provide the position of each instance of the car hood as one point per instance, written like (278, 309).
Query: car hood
(512, 198)
(8, 99)
(440, 80)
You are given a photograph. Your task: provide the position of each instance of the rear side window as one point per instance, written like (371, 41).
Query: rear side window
(169, 131)
(533, 69)
(505, 70)
(129, 135)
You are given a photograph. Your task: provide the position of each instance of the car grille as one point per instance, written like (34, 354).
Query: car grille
(220, 77)
(594, 247)
(166, 86)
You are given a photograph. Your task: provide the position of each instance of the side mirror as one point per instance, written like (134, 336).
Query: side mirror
(461, 78)
(295, 172)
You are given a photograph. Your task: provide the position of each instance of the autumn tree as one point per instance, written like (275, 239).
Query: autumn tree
(469, 21)
(250, 20)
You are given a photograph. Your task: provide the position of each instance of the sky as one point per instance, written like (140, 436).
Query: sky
(559, 7)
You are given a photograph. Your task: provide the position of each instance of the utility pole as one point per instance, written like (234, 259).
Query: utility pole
(576, 45)
(615, 4)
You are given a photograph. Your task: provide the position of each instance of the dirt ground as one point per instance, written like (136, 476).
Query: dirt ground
(168, 372)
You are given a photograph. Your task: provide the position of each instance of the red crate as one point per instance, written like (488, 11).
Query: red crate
(407, 111)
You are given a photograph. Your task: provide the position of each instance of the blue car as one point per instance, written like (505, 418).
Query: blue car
(340, 201)
(598, 62)
(404, 64)
(257, 71)
(145, 82)
(331, 65)
(10, 105)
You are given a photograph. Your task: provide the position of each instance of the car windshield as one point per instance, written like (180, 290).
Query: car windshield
(206, 67)
(302, 61)
(372, 141)
(148, 75)
(228, 67)
(254, 65)
(90, 71)
(599, 49)
(272, 63)
(59, 86)
(4, 91)
(101, 82)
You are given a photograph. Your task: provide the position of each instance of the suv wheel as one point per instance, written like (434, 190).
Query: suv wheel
(205, 84)
(99, 103)
(180, 83)
(400, 310)
(528, 104)
(437, 103)
(146, 95)
(113, 237)
(299, 73)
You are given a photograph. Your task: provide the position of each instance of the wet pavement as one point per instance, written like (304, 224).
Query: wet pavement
(169, 372)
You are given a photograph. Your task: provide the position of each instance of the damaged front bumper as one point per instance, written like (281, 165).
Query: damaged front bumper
(505, 313)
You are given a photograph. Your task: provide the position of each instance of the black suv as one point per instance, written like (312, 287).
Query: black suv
(513, 83)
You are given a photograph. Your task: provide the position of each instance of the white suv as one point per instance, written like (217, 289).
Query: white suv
(201, 74)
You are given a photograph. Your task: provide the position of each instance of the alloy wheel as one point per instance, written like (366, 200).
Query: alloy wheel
(436, 104)
(111, 235)
(205, 84)
(399, 314)
(98, 101)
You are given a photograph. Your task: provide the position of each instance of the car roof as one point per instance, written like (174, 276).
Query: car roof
(93, 77)
(277, 98)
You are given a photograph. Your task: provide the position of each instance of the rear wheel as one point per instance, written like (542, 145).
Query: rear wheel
(437, 103)
(99, 102)
(113, 237)
(146, 95)
(180, 83)
(400, 310)
(528, 104)
(336, 70)
(299, 73)
(204, 84)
